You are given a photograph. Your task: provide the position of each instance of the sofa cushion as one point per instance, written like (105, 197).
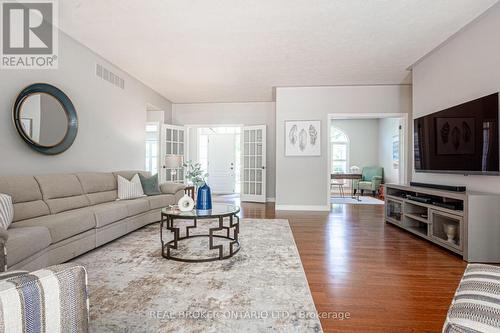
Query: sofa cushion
(93, 182)
(29, 210)
(56, 186)
(109, 212)
(25, 242)
(21, 188)
(62, 192)
(102, 197)
(100, 187)
(129, 189)
(67, 204)
(137, 206)
(171, 187)
(63, 225)
(161, 201)
(26, 196)
(150, 185)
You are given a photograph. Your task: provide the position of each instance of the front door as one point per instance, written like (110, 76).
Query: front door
(221, 163)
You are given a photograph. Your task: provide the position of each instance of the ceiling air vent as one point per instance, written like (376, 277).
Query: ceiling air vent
(109, 76)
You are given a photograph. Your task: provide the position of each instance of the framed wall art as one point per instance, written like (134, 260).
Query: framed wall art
(303, 138)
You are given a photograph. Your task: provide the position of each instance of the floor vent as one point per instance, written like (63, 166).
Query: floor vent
(109, 76)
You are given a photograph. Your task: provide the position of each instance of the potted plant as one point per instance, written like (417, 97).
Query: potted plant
(194, 174)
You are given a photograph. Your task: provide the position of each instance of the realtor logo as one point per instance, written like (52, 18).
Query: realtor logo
(29, 34)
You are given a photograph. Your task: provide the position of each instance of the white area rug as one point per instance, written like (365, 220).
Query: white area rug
(263, 288)
(365, 200)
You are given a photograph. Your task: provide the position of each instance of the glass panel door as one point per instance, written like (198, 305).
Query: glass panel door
(394, 211)
(172, 142)
(253, 175)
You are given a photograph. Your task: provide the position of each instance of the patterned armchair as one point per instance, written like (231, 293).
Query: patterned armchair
(371, 178)
(52, 299)
(475, 307)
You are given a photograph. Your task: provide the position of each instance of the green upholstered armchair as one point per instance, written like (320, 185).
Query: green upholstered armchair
(371, 178)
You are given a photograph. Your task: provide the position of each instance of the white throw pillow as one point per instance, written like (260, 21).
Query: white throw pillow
(130, 189)
(6, 211)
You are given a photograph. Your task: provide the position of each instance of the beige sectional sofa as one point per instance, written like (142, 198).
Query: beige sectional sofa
(60, 216)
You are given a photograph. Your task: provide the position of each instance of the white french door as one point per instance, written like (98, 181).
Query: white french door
(253, 164)
(173, 141)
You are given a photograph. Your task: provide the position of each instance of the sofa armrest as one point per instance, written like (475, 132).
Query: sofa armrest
(171, 188)
(58, 296)
(3, 250)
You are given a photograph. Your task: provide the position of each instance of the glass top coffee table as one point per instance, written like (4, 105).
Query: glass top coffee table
(223, 231)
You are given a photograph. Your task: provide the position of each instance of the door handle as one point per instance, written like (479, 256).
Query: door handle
(263, 167)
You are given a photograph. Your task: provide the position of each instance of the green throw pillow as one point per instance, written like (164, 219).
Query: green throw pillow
(150, 185)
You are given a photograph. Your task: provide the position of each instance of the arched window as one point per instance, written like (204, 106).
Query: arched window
(339, 145)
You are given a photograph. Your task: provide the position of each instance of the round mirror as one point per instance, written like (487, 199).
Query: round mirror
(45, 118)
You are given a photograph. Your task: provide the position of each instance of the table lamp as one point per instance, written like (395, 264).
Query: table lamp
(173, 162)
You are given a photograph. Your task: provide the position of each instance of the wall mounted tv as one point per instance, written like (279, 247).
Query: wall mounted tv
(462, 139)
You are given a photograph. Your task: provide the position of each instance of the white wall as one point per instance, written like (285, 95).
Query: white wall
(388, 128)
(111, 120)
(157, 117)
(465, 68)
(260, 113)
(192, 151)
(363, 140)
(302, 182)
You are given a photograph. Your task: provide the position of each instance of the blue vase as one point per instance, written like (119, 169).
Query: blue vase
(204, 198)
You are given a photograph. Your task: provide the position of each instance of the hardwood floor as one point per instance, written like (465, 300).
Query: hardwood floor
(386, 278)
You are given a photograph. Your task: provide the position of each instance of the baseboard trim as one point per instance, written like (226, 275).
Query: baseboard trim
(316, 208)
(270, 199)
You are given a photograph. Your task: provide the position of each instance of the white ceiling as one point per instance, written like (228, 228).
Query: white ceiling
(237, 50)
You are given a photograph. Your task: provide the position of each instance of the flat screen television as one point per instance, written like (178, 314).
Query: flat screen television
(462, 139)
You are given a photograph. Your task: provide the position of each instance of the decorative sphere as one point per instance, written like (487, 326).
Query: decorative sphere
(186, 203)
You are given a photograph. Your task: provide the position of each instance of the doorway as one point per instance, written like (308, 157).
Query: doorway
(370, 144)
(219, 153)
(234, 156)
